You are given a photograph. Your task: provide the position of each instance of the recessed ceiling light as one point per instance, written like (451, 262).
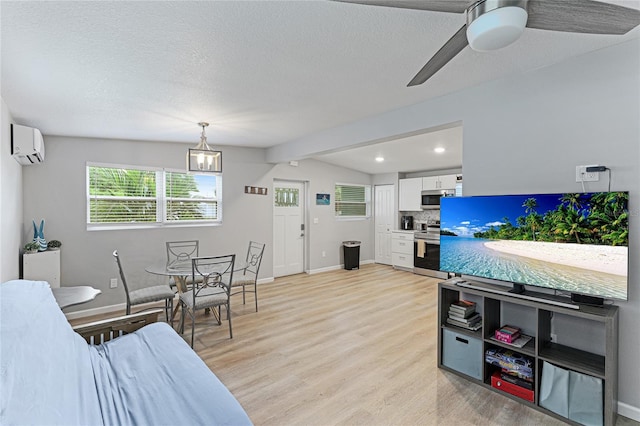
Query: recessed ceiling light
(379, 159)
(439, 150)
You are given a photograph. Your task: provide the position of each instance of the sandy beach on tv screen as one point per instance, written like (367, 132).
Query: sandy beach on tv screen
(607, 259)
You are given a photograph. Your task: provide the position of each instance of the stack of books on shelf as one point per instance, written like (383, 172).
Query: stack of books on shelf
(511, 336)
(463, 314)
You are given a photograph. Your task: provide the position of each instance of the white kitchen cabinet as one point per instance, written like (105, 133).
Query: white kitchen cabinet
(402, 250)
(42, 266)
(430, 183)
(433, 183)
(409, 194)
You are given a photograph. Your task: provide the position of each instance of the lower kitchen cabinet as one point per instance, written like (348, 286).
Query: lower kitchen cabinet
(402, 250)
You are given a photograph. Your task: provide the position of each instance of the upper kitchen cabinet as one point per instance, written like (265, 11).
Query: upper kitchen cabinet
(409, 194)
(439, 182)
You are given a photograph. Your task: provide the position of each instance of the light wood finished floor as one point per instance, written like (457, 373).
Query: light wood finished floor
(347, 348)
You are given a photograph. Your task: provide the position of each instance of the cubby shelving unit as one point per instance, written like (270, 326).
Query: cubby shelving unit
(594, 354)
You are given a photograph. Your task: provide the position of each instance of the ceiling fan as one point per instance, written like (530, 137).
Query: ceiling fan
(493, 24)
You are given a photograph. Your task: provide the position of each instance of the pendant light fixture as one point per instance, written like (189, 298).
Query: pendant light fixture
(202, 158)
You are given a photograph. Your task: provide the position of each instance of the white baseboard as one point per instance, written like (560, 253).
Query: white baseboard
(96, 311)
(629, 411)
(122, 306)
(325, 269)
(335, 267)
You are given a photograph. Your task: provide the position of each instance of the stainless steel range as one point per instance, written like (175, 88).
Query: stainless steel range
(426, 252)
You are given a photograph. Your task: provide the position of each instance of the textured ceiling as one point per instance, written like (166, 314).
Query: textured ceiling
(261, 72)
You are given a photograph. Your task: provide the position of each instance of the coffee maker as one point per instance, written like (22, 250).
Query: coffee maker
(406, 223)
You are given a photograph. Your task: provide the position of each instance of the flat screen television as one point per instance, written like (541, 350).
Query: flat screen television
(572, 243)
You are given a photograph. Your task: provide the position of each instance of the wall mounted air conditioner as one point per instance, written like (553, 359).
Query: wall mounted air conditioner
(27, 146)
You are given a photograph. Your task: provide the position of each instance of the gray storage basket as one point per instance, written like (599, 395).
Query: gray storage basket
(570, 394)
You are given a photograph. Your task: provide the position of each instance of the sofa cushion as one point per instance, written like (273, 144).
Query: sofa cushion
(46, 375)
(153, 377)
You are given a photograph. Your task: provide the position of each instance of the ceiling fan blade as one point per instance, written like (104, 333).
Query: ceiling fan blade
(446, 53)
(581, 16)
(453, 6)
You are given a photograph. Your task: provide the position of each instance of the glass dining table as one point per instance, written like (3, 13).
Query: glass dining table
(74, 295)
(181, 273)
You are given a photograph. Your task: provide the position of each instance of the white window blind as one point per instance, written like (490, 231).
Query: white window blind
(352, 200)
(191, 197)
(120, 196)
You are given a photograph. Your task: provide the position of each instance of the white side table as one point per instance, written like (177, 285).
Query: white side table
(42, 266)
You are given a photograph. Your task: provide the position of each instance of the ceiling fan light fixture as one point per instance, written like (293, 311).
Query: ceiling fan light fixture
(495, 28)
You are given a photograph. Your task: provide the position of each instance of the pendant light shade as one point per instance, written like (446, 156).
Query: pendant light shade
(202, 158)
(492, 29)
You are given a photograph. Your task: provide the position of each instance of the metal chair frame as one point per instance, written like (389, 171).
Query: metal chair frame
(181, 252)
(211, 275)
(168, 301)
(252, 267)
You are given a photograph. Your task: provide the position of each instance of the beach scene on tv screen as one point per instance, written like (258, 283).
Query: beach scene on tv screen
(574, 243)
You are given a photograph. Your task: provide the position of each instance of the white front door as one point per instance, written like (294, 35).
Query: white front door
(384, 217)
(288, 228)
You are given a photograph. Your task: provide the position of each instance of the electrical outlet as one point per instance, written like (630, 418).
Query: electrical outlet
(113, 283)
(583, 176)
(554, 338)
(324, 253)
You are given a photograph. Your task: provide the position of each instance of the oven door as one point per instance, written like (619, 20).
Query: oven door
(426, 254)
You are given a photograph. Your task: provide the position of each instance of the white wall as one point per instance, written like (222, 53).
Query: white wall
(10, 202)
(55, 191)
(525, 134)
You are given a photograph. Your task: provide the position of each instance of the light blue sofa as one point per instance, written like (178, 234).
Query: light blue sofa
(51, 376)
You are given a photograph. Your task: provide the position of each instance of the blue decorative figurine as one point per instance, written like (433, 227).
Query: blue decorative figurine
(38, 236)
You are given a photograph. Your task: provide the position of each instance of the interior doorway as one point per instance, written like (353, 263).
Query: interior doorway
(288, 227)
(384, 219)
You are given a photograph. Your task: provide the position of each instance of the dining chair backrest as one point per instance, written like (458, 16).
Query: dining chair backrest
(122, 277)
(212, 271)
(180, 253)
(254, 256)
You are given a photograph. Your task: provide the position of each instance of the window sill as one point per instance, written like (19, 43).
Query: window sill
(128, 226)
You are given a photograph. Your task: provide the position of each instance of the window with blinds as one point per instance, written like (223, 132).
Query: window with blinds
(122, 196)
(352, 201)
(191, 197)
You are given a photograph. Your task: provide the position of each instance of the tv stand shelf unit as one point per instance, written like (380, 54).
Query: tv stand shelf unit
(542, 321)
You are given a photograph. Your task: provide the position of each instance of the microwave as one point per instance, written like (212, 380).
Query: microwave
(431, 199)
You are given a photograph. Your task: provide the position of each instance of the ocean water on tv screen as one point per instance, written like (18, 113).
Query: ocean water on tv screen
(574, 243)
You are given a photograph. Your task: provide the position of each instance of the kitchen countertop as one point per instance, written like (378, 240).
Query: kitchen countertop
(404, 231)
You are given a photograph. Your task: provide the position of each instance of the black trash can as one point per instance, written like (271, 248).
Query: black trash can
(351, 254)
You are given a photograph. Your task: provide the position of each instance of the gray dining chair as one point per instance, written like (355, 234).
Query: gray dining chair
(179, 255)
(146, 294)
(210, 288)
(247, 274)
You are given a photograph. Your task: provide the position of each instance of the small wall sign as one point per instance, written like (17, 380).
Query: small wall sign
(255, 190)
